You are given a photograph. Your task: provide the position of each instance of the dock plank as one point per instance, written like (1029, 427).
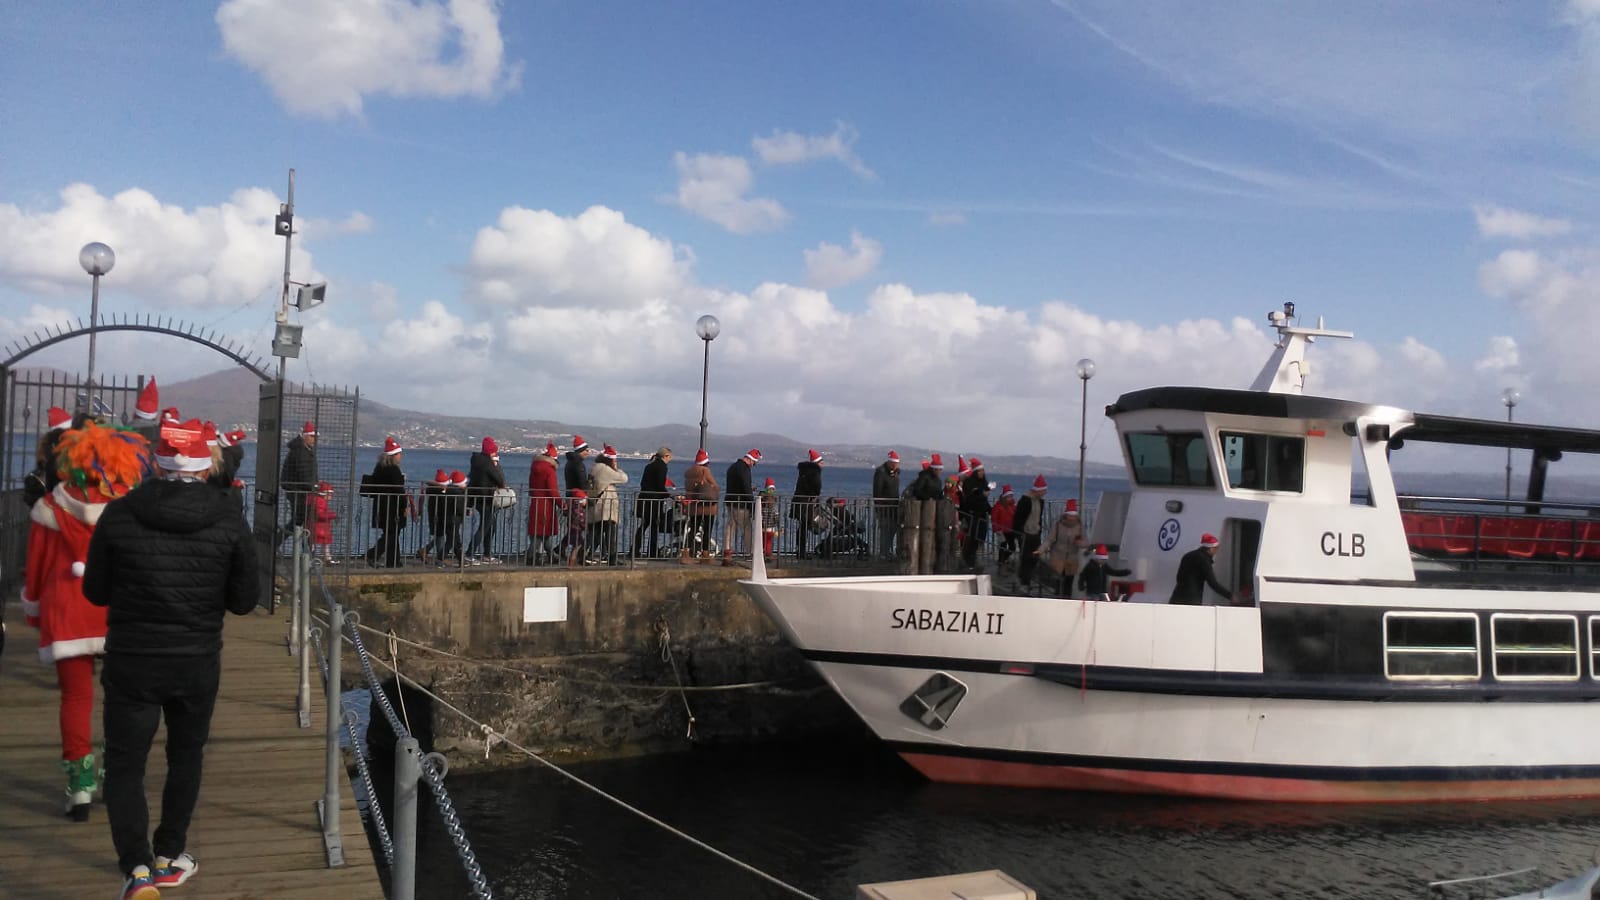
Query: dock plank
(255, 830)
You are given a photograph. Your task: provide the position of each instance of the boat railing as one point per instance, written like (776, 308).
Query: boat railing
(1481, 530)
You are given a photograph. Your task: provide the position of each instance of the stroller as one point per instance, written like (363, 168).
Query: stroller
(679, 525)
(841, 533)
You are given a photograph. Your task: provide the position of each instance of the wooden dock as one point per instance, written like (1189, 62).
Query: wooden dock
(255, 832)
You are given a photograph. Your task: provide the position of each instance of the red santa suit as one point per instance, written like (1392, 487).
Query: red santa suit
(52, 595)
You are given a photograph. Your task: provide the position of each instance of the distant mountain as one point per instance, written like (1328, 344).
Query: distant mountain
(230, 397)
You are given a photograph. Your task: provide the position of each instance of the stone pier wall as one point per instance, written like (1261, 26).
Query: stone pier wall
(597, 684)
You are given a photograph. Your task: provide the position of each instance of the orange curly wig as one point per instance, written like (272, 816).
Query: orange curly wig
(99, 463)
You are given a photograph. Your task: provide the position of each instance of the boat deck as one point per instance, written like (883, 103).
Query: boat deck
(255, 832)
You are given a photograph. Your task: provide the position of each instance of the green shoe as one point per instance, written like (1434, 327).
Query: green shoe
(80, 786)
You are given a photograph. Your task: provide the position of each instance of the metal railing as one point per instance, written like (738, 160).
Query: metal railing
(411, 765)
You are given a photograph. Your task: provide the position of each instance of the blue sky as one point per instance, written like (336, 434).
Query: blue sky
(912, 217)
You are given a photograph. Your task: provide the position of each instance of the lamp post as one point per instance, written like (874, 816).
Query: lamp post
(708, 328)
(1509, 397)
(1085, 372)
(96, 259)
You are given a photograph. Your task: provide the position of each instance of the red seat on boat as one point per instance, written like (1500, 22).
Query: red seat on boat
(1589, 540)
(1493, 532)
(1524, 541)
(1461, 534)
(1427, 533)
(1555, 538)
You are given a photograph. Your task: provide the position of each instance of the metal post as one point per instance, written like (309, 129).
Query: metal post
(1509, 408)
(94, 321)
(1083, 446)
(294, 596)
(301, 603)
(705, 376)
(407, 772)
(332, 775)
(283, 302)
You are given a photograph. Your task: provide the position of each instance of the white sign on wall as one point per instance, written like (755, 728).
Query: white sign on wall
(544, 604)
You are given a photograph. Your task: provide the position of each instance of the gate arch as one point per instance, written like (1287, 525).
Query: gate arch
(24, 347)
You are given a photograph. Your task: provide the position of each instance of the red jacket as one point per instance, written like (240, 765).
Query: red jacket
(321, 520)
(1002, 514)
(52, 594)
(544, 498)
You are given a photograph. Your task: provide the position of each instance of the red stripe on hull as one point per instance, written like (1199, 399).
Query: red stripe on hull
(965, 770)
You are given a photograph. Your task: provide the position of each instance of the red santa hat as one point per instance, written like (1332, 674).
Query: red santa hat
(814, 456)
(177, 433)
(1005, 491)
(208, 430)
(225, 439)
(701, 457)
(309, 429)
(184, 451)
(458, 478)
(324, 488)
(551, 450)
(975, 464)
(171, 416)
(770, 485)
(925, 463)
(1209, 540)
(441, 477)
(579, 444)
(580, 494)
(1039, 484)
(149, 401)
(961, 466)
(1100, 552)
(754, 456)
(490, 448)
(57, 418)
(934, 462)
(894, 457)
(235, 438)
(608, 451)
(391, 447)
(1072, 505)
(670, 484)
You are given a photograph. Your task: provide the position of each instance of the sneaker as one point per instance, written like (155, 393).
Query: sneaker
(173, 872)
(139, 886)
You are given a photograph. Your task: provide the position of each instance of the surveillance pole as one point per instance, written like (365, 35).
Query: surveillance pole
(285, 226)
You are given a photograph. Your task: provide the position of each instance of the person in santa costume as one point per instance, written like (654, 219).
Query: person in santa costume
(96, 464)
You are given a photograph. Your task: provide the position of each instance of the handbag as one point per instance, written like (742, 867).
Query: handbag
(504, 498)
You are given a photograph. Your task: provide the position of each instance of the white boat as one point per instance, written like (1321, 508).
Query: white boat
(1388, 648)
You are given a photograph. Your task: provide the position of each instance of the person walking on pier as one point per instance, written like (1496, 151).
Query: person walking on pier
(738, 502)
(1196, 571)
(455, 512)
(701, 491)
(803, 505)
(387, 488)
(604, 476)
(974, 513)
(1062, 548)
(1029, 522)
(886, 503)
(544, 510)
(166, 561)
(299, 476)
(321, 516)
(652, 506)
(929, 484)
(576, 478)
(1003, 517)
(484, 477)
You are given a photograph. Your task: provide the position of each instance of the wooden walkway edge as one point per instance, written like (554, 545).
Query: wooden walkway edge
(255, 831)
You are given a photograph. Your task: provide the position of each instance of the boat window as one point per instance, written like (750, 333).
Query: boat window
(1176, 458)
(1594, 647)
(1264, 462)
(1431, 645)
(1535, 647)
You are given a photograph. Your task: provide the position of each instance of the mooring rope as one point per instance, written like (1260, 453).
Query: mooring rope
(666, 657)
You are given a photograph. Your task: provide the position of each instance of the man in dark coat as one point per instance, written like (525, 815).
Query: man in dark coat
(928, 485)
(387, 488)
(803, 505)
(299, 476)
(484, 477)
(651, 508)
(738, 499)
(1195, 572)
(974, 512)
(886, 503)
(574, 475)
(167, 561)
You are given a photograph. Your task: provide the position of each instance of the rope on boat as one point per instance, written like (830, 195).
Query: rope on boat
(486, 729)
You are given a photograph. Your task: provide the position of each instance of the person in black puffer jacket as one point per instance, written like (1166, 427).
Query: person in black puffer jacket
(167, 561)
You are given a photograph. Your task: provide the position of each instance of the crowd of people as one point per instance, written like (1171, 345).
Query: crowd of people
(137, 549)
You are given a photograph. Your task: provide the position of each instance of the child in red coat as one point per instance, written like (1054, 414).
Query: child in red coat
(321, 516)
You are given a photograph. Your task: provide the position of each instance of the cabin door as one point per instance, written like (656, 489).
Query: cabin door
(1241, 540)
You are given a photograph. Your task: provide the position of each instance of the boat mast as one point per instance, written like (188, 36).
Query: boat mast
(1287, 368)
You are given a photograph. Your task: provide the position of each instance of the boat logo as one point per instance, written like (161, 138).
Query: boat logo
(1167, 537)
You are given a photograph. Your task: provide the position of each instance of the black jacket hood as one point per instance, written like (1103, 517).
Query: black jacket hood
(178, 507)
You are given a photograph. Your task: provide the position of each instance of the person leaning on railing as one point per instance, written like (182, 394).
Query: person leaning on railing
(484, 477)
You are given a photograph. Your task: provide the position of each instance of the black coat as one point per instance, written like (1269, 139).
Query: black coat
(299, 477)
(652, 488)
(484, 476)
(1096, 575)
(576, 477)
(975, 496)
(736, 490)
(1195, 571)
(387, 487)
(436, 500)
(885, 484)
(167, 561)
(926, 486)
(807, 488)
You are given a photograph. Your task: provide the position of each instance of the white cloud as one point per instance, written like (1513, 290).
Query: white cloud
(785, 148)
(714, 187)
(323, 59)
(830, 265)
(595, 259)
(1500, 356)
(1497, 221)
(206, 256)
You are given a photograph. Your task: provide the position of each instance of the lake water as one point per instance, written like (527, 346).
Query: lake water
(825, 818)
